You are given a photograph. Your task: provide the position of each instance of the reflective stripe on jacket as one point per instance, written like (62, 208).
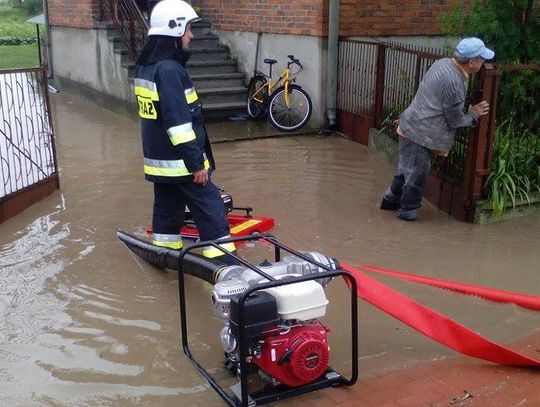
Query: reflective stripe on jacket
(175, 143)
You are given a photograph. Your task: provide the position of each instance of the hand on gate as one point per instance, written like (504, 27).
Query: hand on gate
(200, 177)
(480, 109)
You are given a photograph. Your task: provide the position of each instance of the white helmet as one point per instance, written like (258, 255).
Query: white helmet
(170, 17)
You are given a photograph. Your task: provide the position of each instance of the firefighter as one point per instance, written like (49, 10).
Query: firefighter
(177, 154)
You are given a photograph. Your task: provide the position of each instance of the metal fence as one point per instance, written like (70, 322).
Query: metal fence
(28, 167)
(376, 81)
(512, 143)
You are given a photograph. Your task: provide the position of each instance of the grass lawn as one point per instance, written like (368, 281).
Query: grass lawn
(13, 24)
(18, 56)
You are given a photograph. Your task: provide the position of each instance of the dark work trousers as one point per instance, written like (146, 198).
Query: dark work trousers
(204, 202)
(408, 185)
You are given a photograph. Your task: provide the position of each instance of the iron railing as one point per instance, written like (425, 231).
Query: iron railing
(376, 78)
(514, 134)
(129, 21)
(27, 150)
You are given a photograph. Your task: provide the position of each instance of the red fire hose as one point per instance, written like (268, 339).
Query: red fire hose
(438, 326)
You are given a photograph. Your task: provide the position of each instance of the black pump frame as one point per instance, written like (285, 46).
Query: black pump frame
(329, 379)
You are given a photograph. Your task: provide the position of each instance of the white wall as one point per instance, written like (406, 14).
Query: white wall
(311, 51)
(85, 59)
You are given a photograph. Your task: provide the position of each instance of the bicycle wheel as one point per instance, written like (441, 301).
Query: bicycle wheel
(257, 96)
(293, 116)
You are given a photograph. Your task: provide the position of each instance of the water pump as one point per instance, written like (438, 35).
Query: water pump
(284, 337)
(270, 315)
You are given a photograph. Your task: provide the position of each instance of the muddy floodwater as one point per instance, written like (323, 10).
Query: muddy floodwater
(85, 323)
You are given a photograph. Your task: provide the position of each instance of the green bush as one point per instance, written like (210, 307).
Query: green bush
(17, 40)
(515, 166)
(14, 30)
(33, 7)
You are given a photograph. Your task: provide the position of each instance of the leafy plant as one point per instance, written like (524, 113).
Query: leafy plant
(510, 27)
(33, 7)
(388, 124)
(515, 167)
(14, 30)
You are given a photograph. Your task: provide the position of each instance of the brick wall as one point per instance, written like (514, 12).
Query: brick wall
(310, 17)
(297, 17)
(301, 17)
(74, 13)
(392, 17)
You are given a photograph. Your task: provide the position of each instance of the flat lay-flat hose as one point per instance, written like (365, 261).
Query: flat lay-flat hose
(436, 325)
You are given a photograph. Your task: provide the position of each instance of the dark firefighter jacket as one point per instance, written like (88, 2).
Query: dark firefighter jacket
(175, 143)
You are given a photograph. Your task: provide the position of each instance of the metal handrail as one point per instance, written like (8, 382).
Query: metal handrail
(130, 22)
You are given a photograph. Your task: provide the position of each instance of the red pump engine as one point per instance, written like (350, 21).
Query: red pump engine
(297, 356)
(280, 330)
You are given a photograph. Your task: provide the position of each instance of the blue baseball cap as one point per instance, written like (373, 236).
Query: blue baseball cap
(469, 48)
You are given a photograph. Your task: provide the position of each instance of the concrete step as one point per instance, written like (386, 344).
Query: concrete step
(208, 40)
(214, 112)
(219, 80)
(210, 54)
(223, 95)
(196, 69)
(209, 67)
(201, 28)
(121, 49)
(130, 66)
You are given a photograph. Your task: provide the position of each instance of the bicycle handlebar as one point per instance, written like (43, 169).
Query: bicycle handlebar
(294, 61)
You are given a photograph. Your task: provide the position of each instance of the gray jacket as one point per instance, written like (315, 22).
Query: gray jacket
(436, 111)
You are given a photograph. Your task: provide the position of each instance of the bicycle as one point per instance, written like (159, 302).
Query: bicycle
(287, 106)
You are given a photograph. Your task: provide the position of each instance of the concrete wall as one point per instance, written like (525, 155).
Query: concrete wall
(311, 51)
(85, 62)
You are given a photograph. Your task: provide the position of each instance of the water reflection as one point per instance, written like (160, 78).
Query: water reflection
(84, 322)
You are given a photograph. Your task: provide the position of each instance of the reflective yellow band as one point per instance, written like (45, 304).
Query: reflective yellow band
(211, 251)
(147, 93)
(170, 245)
(191, 95)
(244, 226)
(181, 134)
(146, 89)
(170, 241)
(168, 168)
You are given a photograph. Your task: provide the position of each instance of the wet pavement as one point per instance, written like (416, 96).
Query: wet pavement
(84, 322)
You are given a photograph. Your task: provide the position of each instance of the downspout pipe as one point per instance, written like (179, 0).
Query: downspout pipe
(48, 52)
(332, 63)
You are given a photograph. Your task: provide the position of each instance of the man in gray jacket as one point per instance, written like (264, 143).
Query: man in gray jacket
(427, 127)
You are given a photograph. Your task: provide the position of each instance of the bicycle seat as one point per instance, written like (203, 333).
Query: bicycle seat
(269, 61)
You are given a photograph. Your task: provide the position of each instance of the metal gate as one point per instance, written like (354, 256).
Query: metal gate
(28, 167)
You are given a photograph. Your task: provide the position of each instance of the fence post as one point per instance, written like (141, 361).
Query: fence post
(481, 139)
(379, 84)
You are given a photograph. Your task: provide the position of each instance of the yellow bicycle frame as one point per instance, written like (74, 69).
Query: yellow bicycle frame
(273, 85)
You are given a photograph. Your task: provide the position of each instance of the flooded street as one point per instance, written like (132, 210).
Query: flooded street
(84, 322)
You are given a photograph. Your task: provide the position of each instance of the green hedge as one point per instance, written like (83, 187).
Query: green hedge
(14, 30)
(18, 40)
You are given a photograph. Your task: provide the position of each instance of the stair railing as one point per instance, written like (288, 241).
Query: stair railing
(129, 21)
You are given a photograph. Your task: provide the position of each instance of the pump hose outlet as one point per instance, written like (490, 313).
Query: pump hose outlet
(193, 264)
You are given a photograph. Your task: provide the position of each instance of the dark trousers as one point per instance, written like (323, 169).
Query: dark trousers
(409, 183)
(203, 201)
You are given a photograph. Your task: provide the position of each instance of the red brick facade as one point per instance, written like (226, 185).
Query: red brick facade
(298, 17)
(74, 13)
(392, 17)
(303, 17)
(310, 17)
